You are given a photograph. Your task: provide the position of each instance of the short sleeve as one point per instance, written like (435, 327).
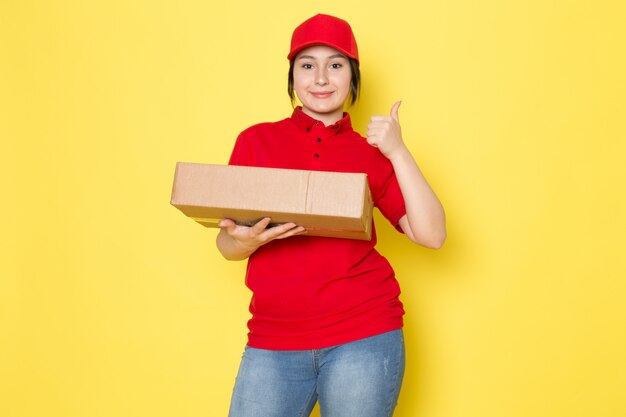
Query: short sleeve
(242, 152)
(390, 201)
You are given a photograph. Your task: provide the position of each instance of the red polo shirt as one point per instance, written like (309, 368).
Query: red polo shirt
(315, 292)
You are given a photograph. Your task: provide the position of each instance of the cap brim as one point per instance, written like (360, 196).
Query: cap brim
(305, 45)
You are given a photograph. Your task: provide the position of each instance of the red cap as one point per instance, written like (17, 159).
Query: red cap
(323, 29)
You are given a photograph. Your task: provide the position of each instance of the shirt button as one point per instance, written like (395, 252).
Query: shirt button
(308, 129)
(319, 139)
(317, 155)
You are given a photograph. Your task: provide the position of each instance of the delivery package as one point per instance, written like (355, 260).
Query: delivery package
(327, 204)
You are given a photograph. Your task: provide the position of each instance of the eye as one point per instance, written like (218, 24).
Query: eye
(336, 65)
(307, 66)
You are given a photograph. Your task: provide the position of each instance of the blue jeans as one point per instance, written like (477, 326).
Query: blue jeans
(356, 379)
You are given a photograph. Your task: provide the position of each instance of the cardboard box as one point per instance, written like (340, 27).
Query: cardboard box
(326, 203)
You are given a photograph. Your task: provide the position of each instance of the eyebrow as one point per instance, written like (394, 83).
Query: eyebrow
(330, 57)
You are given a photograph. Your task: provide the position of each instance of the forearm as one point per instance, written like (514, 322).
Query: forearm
(425, 222)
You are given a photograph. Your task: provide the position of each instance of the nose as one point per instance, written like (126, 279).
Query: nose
(321, 78)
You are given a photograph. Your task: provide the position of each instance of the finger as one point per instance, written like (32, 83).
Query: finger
(293, 232)
(378, 125)
(394, 111)
(375, 132)
(383, 124)
(378, 118)
(280, 229)
(373, 142)
(277, 231)
(260, 226)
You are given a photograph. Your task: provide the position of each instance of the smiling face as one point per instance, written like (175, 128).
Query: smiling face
(321, 80)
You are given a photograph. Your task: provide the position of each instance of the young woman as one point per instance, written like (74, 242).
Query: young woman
(326, 316)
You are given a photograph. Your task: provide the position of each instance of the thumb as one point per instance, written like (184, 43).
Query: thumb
(226, 224)
(394, 111)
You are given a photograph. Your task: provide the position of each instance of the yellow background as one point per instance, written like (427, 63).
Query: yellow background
(112, 303)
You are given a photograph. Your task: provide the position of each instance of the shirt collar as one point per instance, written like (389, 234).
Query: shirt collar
(306, 122)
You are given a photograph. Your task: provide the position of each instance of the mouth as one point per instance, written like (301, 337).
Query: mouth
(322, 94)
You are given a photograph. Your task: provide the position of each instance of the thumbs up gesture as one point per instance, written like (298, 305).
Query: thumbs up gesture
(383, 132)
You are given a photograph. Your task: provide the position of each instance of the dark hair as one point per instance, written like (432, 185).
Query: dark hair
(355, 81)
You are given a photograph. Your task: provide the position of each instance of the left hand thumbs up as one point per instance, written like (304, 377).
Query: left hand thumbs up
(384, 133)
(394, 111)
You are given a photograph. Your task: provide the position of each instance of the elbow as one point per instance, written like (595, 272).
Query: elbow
(430, 234)
(437, 241)
(434, 243)
(437, 236)
(432, 240)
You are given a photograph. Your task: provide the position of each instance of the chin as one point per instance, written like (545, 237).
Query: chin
(326, 109)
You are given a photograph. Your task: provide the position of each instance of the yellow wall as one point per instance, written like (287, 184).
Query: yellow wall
(112, 303)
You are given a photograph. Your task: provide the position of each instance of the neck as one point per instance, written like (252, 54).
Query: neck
(326, 118)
